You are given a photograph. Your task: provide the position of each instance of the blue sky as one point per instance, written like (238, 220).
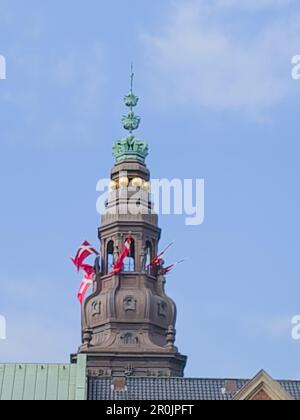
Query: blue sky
(217, 102)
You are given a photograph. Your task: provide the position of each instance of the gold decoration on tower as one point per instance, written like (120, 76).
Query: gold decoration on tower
(137, 182)
(123, 182)
(147, 186)
(113, 186)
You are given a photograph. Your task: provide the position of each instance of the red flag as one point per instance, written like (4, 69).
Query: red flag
(124, 253)
(167, 270)
(87, 281)
(84, 286)
(83, 252)
(156, 262)
(88, 269)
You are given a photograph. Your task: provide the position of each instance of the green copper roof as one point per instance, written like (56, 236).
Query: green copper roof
(129, 147)
(32, 382)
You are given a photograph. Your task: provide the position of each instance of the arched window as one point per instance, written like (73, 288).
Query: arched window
(129, 262)
(109, 256)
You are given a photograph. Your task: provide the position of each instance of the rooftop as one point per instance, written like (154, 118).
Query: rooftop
(176, 389)
(43, 381)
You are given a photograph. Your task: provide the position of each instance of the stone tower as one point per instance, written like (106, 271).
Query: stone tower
(128, 323)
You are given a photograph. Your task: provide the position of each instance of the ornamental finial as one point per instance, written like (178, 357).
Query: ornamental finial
(129, 147)
(131, 121)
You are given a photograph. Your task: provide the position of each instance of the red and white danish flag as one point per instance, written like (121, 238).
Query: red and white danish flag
(83, 252)
(124, 254)
(84, 287)
(86, 282)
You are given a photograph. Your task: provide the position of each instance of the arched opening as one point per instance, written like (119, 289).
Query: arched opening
(109, 256)
(129, 262)
(149, 255)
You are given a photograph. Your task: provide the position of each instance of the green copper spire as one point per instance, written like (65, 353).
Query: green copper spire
(130, 148)
(131, 121)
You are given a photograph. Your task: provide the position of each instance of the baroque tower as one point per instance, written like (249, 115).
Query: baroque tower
(128, 323)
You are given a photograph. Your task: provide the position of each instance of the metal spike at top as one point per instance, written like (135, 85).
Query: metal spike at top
(131, 78)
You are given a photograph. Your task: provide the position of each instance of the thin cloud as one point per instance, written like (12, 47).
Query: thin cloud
(201, 58)
(252, 5)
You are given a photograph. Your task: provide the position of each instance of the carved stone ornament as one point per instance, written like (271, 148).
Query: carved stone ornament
(96, 308)
(162, 309)
(87, 336)
(129, 339)
(130, 304)
(129, 371)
